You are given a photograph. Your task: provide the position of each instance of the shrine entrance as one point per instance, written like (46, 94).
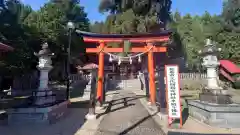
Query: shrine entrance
(142, 47)
(124, 76)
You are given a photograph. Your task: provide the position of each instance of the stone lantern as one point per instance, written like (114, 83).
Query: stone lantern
(90, 90)
(210, 62)
(47, 110)
(44, 66)
(213, 93)
(214, 106)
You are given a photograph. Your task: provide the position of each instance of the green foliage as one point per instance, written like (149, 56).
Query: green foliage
(236, 77)
(193, 30)
(132, 16)
(231, 15)
(14, 33)
(228, 37)
(52, 18)
(127, 47)
(25, 30)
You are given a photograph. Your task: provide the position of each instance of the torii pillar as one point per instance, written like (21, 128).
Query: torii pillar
(100, 78)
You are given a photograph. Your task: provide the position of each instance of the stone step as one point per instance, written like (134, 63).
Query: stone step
(45, 115)
(28, 118)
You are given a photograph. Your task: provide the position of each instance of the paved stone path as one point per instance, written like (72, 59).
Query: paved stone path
(127, 116)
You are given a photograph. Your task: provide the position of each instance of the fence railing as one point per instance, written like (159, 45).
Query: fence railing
(26, 81)
(193, 76)
(78, 77)
(183, 76)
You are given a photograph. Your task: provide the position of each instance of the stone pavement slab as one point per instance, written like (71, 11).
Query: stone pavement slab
(66, 126)
(126, 115)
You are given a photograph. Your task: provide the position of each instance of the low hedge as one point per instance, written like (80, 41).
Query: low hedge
(236, 84)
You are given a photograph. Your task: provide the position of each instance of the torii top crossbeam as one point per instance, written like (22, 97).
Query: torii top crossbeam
(149, 37)
(119, 38)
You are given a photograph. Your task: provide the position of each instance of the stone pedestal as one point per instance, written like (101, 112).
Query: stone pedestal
(31, 115)
(224, 116)
(44, 95)
(215, 96)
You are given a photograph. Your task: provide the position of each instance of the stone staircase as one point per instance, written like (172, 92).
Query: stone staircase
(130, 84)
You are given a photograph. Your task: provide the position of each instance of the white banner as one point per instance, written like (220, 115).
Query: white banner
(173, 90)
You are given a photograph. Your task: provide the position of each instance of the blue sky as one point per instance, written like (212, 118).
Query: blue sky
(195, 7)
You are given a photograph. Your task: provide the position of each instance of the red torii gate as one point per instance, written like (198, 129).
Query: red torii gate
(149, 39)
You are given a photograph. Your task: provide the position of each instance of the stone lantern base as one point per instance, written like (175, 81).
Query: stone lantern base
(33, 115)
(215, 108)
(215, 96)
(217, 115)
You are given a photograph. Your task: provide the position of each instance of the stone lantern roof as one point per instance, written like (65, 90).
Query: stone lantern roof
(45, 51)
(209, 48)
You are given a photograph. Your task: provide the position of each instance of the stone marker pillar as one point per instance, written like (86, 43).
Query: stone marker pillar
(88, 86)
(92, 103)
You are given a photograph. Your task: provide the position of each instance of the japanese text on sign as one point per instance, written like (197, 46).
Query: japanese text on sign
(173, 91)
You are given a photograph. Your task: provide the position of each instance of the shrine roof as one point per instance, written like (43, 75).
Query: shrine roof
(4, 48)
(119, 37)
(229, 66)
(89, 66)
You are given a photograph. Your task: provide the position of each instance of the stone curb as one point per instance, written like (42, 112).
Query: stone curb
(158, 117)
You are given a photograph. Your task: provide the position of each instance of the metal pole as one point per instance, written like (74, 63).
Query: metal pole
(68, 64)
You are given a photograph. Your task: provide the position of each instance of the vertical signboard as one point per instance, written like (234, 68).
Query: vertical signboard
(173, 93)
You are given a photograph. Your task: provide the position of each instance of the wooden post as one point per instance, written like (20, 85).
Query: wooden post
(100, 73)
(151, 75)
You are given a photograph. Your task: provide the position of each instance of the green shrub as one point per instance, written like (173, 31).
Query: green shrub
(236, 77)
(236, 84)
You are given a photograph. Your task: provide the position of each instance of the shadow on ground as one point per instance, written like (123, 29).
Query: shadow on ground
(123, 101)
(136, 124)
(66, 126)
(183, 133)
(79, 104)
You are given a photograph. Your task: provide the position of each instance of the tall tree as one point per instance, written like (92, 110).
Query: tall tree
(13, 32)
(228, 37)
(52, 18)
(134, 16)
